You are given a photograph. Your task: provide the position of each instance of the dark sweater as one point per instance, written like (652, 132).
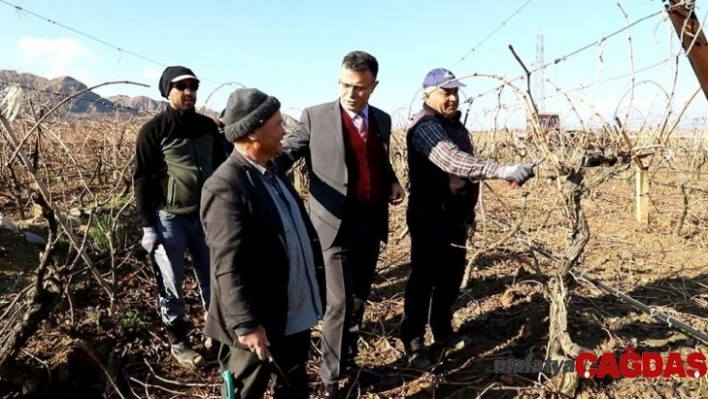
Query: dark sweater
(430, 195)
(175, 152)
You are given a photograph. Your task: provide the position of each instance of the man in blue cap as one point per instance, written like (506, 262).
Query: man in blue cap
(444, 180)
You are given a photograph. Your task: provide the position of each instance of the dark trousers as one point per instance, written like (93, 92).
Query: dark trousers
(437, 269)
(251, 375)
(349, 270)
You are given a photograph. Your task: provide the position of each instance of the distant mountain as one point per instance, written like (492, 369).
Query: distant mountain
(52, 91)
(142, 103)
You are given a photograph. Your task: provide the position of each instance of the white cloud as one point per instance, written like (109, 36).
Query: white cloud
(57, 57)
(152, 73)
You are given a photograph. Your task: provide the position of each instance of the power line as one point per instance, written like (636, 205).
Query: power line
(94, 38)
(582, 87)
(501, 25)
(20, 9)
(611, 79)
(557, 60)
(565, 57)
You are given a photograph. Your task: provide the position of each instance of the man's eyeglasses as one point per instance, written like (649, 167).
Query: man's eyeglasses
(360, 89)
(182, 86)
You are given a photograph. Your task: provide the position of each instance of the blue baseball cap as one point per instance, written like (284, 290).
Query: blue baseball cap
(438, 78)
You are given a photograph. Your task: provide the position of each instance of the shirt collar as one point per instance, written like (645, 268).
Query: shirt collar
(258, 167)
(364, 111)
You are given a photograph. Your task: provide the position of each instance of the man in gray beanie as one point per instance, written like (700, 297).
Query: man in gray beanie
(267, 274)
(175, 152)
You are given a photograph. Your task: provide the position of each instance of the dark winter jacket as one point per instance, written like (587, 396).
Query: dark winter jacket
(248, 250)
(176, 151)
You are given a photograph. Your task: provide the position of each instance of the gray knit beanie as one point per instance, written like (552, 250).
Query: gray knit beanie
(246, 110)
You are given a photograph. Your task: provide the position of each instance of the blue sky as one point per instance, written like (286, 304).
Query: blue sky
(293, 50)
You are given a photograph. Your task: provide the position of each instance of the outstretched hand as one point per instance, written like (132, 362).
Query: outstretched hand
(517, 174)
(397, 194)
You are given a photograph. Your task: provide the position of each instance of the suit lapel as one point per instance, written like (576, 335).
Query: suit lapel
(336, 115)
(254, 176)
(383, 129)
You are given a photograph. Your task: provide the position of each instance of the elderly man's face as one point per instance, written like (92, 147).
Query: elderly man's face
(444, 101)
(269, 136)
(355, 88)
(183, 94)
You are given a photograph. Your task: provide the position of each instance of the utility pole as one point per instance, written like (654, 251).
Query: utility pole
(688, 28)
(540, 80)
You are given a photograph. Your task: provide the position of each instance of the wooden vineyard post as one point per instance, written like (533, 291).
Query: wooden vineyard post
(642, 194)
(641, 168)
(689, 29)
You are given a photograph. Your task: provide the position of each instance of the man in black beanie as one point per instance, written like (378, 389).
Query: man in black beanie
(176, 151)
(267, 269)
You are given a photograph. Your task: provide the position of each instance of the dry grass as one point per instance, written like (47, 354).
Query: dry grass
(93, 334)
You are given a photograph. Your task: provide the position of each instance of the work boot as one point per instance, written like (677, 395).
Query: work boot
(208, 342)
(186, 356)
(180, 348)
(329, 391)
(416, 354)
(454, 342)
(366, 377)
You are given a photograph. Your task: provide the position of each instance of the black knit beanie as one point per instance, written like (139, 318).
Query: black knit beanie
(246, 110)
(172, 72)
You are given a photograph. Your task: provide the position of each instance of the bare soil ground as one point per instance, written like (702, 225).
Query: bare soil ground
(504, 309)
(88, 346)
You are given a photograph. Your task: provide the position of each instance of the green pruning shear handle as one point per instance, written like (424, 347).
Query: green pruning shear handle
(229, 384)
(231, 387)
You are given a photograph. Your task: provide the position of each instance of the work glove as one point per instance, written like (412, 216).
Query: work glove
(150, 239)
(518, 173)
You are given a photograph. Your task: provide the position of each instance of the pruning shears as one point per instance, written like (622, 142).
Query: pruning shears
(533, 164)
(280, 371)
(230, 385)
